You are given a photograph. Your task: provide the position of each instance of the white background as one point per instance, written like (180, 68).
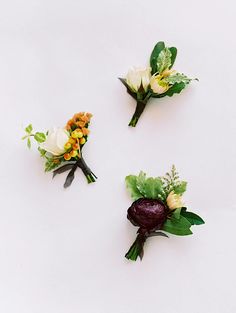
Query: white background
(62, 251)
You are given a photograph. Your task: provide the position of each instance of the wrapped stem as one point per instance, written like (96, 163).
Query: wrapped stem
(90, 176)
(136, 250)
(141, 104)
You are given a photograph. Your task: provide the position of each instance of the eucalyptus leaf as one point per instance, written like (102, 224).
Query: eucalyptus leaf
(40, 137)
(154, 55)
(193, 218)
(180, 227)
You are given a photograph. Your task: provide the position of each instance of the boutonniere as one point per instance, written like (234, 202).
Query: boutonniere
(155, 81)
(158, 207)
(61, 148)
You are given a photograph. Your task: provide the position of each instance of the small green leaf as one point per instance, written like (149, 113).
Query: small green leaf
(181, 188)
(163, 60)
(154, 55)
(193, 218)
(141, 182)
(40, 137)
(180, 227)
(28, 143)
(29, 129)
(131, 183)
(42, 152)
(173, 51)
(24, 137)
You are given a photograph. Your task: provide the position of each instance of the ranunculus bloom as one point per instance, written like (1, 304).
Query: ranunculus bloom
(174, 201)
(56, 140)
(137, 77)
(149, 214)
(157, 85)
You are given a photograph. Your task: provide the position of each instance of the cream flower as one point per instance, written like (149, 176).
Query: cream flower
(157, 85)
(137, 77)
(55, 141)
(174, 201)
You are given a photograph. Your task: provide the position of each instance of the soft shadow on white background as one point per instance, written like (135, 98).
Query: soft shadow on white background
(62, 251)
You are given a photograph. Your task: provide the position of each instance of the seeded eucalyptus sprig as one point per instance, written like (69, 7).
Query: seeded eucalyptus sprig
(158, 207)
(155, 81)
(62, 147)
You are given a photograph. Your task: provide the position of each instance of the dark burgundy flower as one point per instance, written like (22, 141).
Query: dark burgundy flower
(148, 214)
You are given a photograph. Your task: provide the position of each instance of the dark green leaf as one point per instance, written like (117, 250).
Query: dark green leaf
(154, 55)
(63, 169)
(131, 183)
(70, 177)
(29, 128)
(157, 233)
(176, 213)
(40, 137)
(173, 51)
(28, 143)
(193, 218)
(181, 188)
(180, 227)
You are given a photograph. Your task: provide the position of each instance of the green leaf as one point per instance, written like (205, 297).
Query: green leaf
(141, 182)
(181, 188)
(163, 60)
(176, 213)
(40, 137)
(131, 183)
(42, 152)
(180, 227)
(173, 51)
(154, 55)
(28, 143)
(153, 188)
(177, 78)
(193, 218)
(29, 129)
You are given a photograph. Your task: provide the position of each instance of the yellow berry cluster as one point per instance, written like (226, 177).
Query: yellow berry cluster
(78, 129)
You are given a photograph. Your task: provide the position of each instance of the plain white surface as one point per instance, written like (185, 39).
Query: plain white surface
(62, 251)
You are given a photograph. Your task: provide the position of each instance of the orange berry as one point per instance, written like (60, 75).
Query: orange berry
(76, 146)
(82, 141)
(67, 156)
(80, 124)
(85, 131)
(73, 153)
(67, 146)
(72, 141)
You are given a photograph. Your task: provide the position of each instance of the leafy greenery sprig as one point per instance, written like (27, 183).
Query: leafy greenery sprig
(62, 147)
(156, 81)
(167, 191)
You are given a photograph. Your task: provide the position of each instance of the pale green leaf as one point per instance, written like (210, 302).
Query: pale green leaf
(163, 60)
(28, 143)
(29, 129)
(180, 188)
(177, 78)
(40, 137)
